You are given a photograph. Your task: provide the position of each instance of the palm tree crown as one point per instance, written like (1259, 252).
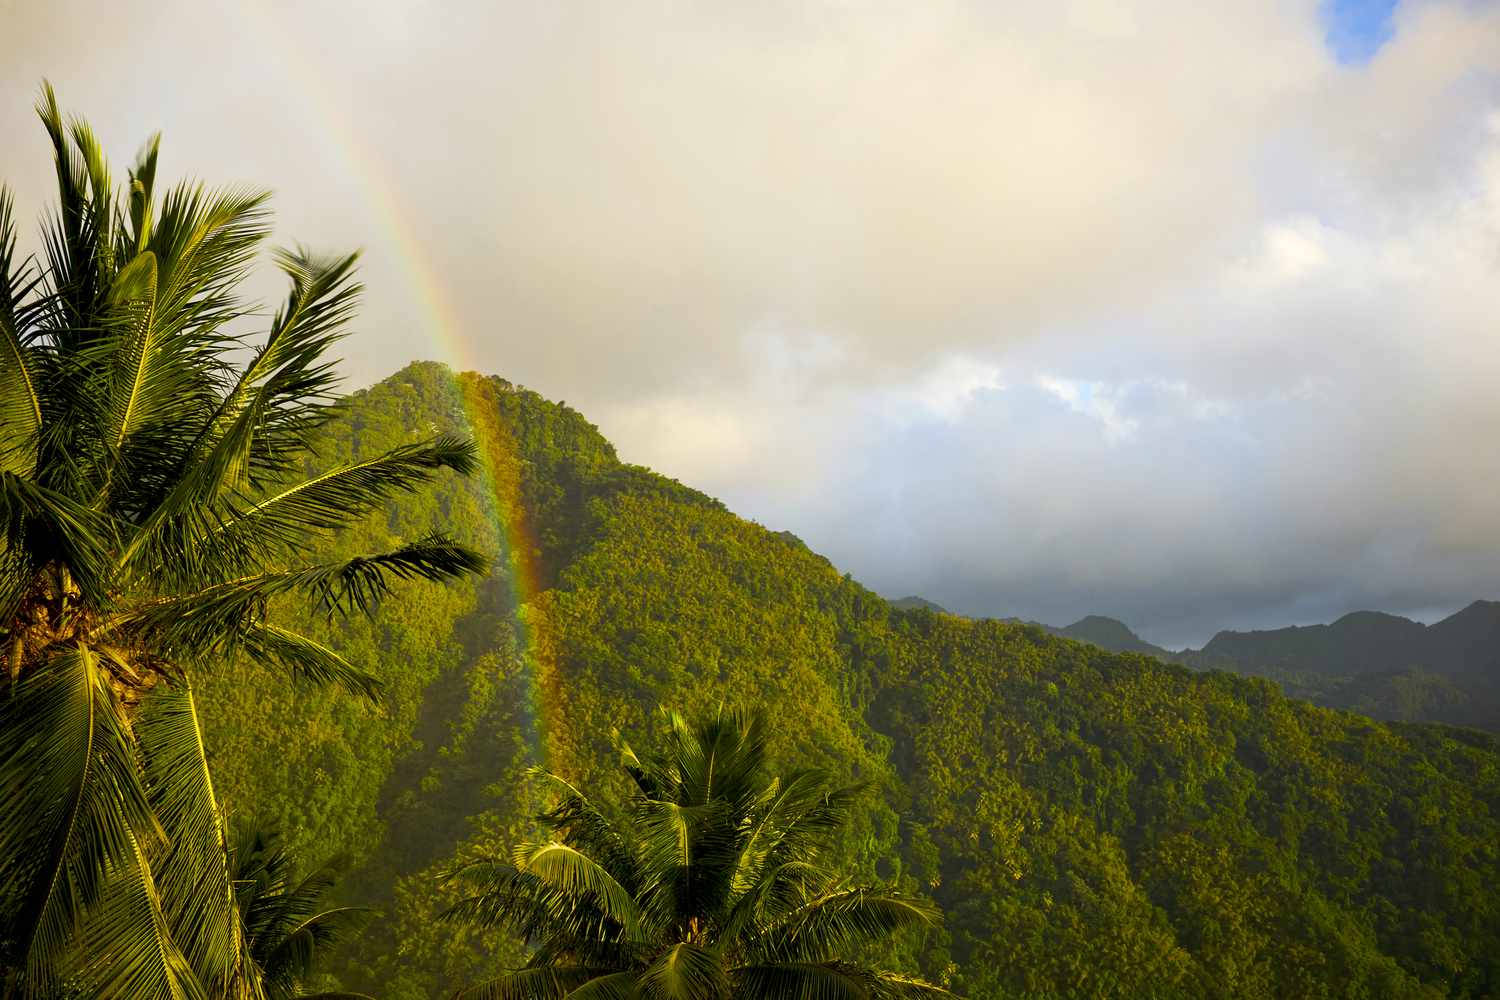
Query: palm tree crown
(287, 925)
(711, 890)
(157, 498)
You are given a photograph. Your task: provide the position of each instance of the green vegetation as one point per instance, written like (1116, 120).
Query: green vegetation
(707, 887)
(286, 925)
(1377, 664)
(1092, 824)
(187, 520)
(158, 504)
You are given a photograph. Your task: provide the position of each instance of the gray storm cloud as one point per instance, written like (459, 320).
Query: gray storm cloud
(1149, 309)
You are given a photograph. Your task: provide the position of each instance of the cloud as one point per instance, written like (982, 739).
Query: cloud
(1152, 309)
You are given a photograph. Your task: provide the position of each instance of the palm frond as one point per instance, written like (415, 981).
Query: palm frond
(286, 923)
(615, 986)
(72, 809)
(803, 981)
(20, 405)
(809, 826)
(141, 202)
(73, 260)
(580, 823)
(507, 896)
(127, 948)
(776, 819)
(550, 982)
(193, 874)
(189, 535)
(307, 660)
(289, 960)
(775, 893)
(218, 619)
(840, 924)
(570, 871)
(356, 585)
(50, 527)
(829, 981)
(342, 496)
(686, 854)
(684, 972)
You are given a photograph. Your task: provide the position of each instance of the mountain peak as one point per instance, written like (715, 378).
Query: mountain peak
(912, 602)
(1109, 633)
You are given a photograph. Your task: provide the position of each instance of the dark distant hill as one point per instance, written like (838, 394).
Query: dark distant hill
(1110, 634)
(913, 602)
(1380, 665)
(1365, 642)
(1383, 665)
(1467, 643)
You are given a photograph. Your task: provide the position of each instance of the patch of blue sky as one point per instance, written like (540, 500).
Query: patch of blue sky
(1354, 30)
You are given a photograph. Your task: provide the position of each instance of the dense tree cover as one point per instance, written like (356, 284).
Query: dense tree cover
(1093, 824)
(1375, 664)
(708, 885)
(159, 504)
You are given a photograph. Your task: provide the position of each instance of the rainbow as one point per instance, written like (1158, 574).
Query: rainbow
(499, 456)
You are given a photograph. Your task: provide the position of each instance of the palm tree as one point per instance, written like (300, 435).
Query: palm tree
(286, 922)
(710, 890)
(157, 502)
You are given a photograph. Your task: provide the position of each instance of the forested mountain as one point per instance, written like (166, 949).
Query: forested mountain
(1111, 634)
(1369, 642)
(1380, 665)
(1094, 824)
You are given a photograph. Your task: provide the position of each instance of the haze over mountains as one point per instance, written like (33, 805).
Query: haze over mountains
(1380, 664)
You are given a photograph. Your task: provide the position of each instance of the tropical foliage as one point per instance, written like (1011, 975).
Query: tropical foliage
(190, 518)
(709, 887)
(288, 924)
(1092, 824)
(158, 499)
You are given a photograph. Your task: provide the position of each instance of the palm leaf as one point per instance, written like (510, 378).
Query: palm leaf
(193, 874)
(342, 496)
(49, 527)
(546, 983)
(575, 873)
(507, 896)
(218, 619)
(615, 986)
(829, 981)
(840, 924)
(305, 659)
(71, 806)
(684, 972)
(127, 946)
(20, 406)
(580, 824)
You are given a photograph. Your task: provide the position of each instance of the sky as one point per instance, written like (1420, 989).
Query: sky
(1183, 313)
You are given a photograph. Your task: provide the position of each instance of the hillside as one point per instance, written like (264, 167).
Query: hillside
(1110, 634)
(1378, 664)
(1095, 824)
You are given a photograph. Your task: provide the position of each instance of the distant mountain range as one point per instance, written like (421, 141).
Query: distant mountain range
(1378, 664)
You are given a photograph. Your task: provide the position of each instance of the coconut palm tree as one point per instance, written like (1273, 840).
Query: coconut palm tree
(710, 890)
(287, 926)
(158, 499)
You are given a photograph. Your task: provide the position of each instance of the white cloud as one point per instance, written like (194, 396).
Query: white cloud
(1143, 307)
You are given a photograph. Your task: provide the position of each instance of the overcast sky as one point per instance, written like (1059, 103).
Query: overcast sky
(1182, 312)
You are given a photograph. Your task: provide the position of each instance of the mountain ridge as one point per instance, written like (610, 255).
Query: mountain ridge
(1094, 824)
(1380, 664)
